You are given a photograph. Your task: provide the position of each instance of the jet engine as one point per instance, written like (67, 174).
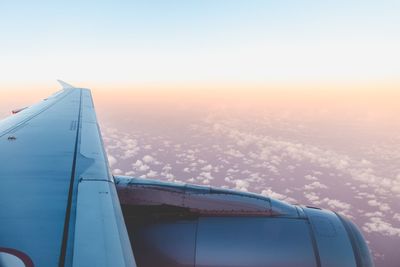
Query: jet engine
(182, 225)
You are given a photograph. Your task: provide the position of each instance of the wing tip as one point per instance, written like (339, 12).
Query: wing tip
(65, 85)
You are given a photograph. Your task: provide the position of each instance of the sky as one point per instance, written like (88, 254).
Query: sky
(212, 42)
(293, 99)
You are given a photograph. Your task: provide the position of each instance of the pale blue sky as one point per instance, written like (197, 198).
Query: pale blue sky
(208, 41)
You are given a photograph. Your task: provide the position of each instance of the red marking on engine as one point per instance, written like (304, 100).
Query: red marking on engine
(20, 255)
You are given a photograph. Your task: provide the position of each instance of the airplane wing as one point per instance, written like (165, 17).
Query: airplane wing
(58, 203)
(61, 206)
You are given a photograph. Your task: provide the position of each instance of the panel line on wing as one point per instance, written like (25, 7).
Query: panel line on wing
(64, 243)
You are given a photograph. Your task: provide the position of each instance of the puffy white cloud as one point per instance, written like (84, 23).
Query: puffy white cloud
(130, 173)
(111, 160)
(315, 185)
(167, 168)
(318, 173)
(138, 163)
(279, 150)
(230, 170)
(167, 143)
(241, 185)
(310, 177)
(234, 153)
(373, 214)
(312, 197)
(144, 168)
(337, 204)
(148, 159)
(190, 157)
(151, 174)
(377, 224)
(272, 194)
(291, 168)
(255, 177)
(169, 176)
(207, 168)
(381, 206)
(273, 169)
(206, 175)
(130, 153)
(117, 171)
(140, 166)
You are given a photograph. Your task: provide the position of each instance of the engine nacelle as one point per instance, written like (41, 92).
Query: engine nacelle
(176, 225)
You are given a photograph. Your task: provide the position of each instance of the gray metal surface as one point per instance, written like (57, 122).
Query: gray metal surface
(47, 151)
(177, 224)
(97, 237)
(203, 200)
(256, 242)
(331, 236)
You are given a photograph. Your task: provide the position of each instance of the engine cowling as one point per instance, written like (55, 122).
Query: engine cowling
(172, 224)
